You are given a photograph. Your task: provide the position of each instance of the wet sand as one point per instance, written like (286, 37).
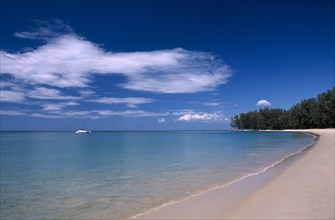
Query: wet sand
(300, 188)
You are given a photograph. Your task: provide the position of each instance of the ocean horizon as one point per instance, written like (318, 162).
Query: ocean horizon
(120, 174)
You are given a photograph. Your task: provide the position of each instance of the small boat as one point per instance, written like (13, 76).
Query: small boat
(82, 131)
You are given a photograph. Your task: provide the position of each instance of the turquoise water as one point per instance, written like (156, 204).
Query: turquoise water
(53, 175)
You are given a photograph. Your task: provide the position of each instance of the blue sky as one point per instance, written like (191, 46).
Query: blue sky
(142, 65)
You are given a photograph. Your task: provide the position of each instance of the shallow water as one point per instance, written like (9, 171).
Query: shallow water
(120, 174)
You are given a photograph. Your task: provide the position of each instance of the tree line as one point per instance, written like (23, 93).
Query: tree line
(310, 113)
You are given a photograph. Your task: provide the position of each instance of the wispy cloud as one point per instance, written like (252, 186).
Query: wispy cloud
(129, 113)
(56, 107)
(46, 93)
(161, 120)
(212, 103)
(45, 30)
(62, 72)
(11, 92)
(204, 117)
(52, 107)
(12, 112)
(54, 111)
(50, 116)
(193, 72)
(7, 85)
(86, 92)
(12, 96)
(68, 60)
(131, 102)
(263, 103)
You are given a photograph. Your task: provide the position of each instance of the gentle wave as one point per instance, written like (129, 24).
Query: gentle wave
(50, 175)
(173, 202)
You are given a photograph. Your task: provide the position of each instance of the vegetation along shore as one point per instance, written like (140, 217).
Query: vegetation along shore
(310, 113)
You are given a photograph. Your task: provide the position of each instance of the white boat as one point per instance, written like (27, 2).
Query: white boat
(82, 131)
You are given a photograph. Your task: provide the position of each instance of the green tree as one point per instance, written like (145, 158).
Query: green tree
(326, 109)
(309, 113)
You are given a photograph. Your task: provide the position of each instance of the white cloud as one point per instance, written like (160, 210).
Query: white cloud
(56, 107)
(52, 107)
(198, 79)
(129, 113)
(62, 71)
(77, 114)
(12, 96)
(70, 103)
(46, 30)
(11, 92)
(40, 115)
(55, 111)
(86, 92)
(129, 101)
(161, 120)
(263, 103)
(67, 60)
(46, 93)
(182, 112)
(212, 103)
(6, 85)
(12, 112)
(205, 117)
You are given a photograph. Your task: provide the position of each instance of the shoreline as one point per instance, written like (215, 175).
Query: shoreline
(248, 196)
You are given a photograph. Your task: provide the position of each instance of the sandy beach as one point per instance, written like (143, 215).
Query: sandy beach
(300, 188)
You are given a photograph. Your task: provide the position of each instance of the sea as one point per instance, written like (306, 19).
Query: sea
(121, 174)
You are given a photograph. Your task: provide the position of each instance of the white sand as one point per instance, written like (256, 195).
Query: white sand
(303, 190)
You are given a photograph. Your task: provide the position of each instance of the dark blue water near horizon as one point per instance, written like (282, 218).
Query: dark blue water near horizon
(118, 174)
